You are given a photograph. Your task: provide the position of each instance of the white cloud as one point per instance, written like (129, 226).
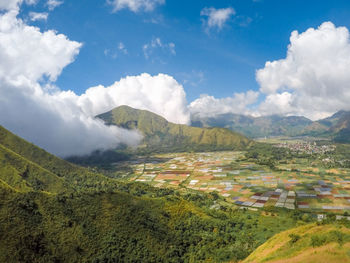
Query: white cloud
(156, 43)
(135, 5)
(160, 94)
(14, 4)
(52, 4)
(209, 106)
(25, 52)
(9, 4)
(313, 80)
(122, 48)
(277, 103)
(216, 18)
(34, 16)
(42, 113)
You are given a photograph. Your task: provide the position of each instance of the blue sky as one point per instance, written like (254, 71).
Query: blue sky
(218, 62)
(60, 67)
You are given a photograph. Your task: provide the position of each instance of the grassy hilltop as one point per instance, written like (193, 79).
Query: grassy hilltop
(309, 243)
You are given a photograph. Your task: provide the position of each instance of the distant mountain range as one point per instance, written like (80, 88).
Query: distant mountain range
(161, 135)
(336, 127)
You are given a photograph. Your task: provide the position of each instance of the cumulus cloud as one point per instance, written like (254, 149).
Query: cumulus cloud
(52, 4)
(209, 106)
(135, 5)
(156, 43)
(216, 18)
(34, 16)
(160, 94)
(313, 80)
(41, 113)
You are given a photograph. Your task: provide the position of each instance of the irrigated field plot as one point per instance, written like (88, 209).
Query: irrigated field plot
(248, 184)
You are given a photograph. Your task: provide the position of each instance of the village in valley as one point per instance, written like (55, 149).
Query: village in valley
(246, 184)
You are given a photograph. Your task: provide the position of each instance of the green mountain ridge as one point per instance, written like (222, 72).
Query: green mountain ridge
(254, 127)
(335, 127)
(161, 135)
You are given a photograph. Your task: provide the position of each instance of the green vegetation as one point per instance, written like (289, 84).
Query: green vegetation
(309, 243)
(163, 136)
(53, 211)
(119, 227)
(27, 167)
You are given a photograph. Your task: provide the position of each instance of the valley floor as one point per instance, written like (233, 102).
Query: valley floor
(293, 185)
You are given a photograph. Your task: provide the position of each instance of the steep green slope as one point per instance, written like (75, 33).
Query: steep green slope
(310, 243)
(159, 134)
(24, 175)
(26, 167)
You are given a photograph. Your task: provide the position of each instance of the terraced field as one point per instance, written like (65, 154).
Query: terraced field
(248, 184)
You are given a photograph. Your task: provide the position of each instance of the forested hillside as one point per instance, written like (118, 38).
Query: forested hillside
(161, 135)
(53, 211)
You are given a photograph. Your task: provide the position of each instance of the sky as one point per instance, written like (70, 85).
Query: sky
(67, 61)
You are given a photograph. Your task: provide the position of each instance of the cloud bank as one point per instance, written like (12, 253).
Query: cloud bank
(160, 94)
(209, 106)
(32, 107)
(313, 80)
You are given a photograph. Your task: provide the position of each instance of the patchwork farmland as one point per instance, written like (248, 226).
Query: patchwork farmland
(247, 184)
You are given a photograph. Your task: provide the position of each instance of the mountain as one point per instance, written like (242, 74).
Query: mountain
(161, 135)
(341, 127)
(54, 211)
(255, 127)
(309, 243)
(336, 127)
